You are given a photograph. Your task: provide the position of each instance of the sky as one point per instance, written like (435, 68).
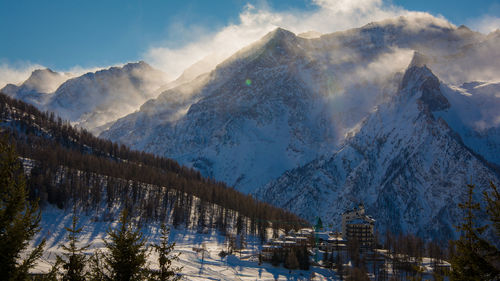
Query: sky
(83, 35)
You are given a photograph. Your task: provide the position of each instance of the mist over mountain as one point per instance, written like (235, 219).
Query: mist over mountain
(405, 163)
(398, 114)
(94, 99)
(285, 100)
(38, 87)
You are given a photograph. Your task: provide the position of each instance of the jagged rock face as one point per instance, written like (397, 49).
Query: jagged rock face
(474, 116)
(407, 166)
(253, 117)
(429, 89)
(302, 98)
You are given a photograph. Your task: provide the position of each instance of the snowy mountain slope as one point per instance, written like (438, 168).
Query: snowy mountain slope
(474, 114)
(96, 98)
(404, 163)
(284, 100)
(213, 267)
(477, 61)
(93, 100)
(37, 88)
(236, 126)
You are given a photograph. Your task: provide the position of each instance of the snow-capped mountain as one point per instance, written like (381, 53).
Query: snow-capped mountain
(317, 123)
(37, 88)
(285, 100)
(97, 98)
(405, 163)
(94, 99)
(251, 114)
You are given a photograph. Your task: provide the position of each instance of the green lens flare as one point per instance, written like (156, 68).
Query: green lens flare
(248, 82)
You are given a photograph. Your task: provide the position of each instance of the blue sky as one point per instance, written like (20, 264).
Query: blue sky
(62, 34)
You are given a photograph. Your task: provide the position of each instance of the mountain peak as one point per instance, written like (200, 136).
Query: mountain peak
(419, 60)
(137, 65)
(279, 34)
(42, 71)
(38, 74)
(418, 78)
(417, 70)
(44, 80)
(140, 63)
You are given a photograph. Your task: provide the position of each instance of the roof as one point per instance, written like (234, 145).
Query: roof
(361, 221)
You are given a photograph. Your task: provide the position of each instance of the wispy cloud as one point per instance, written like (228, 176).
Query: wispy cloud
(213, 46)
(15, 73)
(255, 21)
(484, 24)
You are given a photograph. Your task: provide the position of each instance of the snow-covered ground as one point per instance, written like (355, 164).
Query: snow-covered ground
(212, 267)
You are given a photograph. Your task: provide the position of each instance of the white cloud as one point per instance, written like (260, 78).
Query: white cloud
(254, 22)
(485, 24)
(16, 73)
(213, 46)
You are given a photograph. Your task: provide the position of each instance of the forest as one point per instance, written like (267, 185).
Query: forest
(69, 166)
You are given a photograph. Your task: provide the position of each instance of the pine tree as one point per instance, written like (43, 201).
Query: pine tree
(127, 253)
(304, 262)
(165, 258)
(19, 218)
(319, 224)
(74, 261)
(291, 261)
(53, 273)
(99, 270)
(490, 250)
(275, 259)
(468, 263)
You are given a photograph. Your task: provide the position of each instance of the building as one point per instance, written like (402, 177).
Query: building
(357, 225)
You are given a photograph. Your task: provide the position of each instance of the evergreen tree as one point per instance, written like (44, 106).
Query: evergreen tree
(53, 273)
(291, 261)
(304, 262)
(99, 270)
(19, 218)
(469, 263)
(490, 250)
(319, 224)
(165, 258)
(74, 261)
(275, 258)
(127, 253)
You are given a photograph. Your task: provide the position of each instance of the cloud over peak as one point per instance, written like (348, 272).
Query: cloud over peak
(213, 46)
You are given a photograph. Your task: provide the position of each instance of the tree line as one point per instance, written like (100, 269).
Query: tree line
(124, 260)
(70, 166)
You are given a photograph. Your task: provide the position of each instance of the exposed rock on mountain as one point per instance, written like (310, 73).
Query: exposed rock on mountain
(285, 100)
(405, 164)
